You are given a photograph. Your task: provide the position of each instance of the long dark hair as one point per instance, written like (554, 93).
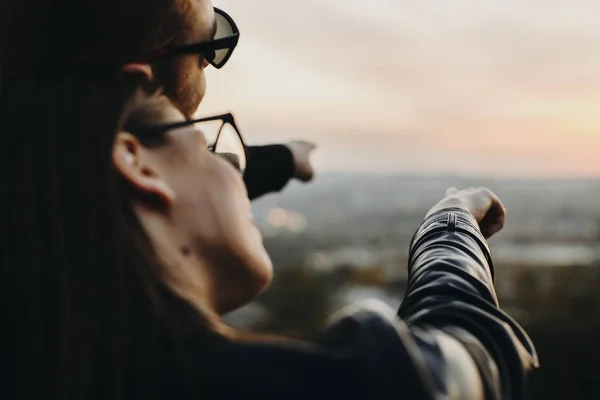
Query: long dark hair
(85, 299)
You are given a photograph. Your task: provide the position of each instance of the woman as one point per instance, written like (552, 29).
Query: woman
(125, 238)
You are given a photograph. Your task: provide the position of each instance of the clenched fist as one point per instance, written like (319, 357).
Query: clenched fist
(301, 151)
(481, 202)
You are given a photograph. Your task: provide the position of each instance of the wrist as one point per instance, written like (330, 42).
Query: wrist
(448, 203)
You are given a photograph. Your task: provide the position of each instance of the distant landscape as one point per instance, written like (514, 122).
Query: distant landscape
(549, 221)
(345, 237)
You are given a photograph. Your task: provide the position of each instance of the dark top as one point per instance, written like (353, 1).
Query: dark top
(448, 340)
(268, 169)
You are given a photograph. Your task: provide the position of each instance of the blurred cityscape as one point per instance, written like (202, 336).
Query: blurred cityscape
(345, 237)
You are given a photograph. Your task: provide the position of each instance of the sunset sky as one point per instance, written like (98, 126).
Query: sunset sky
(500, 87)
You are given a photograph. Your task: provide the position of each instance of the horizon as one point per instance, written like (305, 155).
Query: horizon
(452, 175)
(500, 89)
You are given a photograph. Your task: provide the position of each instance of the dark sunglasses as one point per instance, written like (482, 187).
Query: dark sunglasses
(221, 132)
(217, 51)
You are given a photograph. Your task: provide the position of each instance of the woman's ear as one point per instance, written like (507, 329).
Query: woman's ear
(134, 165)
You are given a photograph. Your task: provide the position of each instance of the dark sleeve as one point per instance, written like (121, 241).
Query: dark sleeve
(450, 295)
(268, 169)
(450, 340)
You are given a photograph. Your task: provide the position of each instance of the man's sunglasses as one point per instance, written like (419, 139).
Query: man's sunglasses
(221, 133)
(217, 51)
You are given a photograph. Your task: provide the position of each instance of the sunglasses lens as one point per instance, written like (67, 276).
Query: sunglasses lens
(210, 130)
(231, 147)
(224, 29)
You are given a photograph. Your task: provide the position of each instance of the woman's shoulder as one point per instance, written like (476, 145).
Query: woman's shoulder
(359, 354)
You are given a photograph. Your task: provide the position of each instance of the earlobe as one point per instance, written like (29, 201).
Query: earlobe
(132, 164)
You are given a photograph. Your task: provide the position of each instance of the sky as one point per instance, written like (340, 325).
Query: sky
(484, 87)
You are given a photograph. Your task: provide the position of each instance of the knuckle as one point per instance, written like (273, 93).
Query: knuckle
(486, 191)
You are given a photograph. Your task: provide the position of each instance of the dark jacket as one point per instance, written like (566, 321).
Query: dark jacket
(448, 338)
(268, 169)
